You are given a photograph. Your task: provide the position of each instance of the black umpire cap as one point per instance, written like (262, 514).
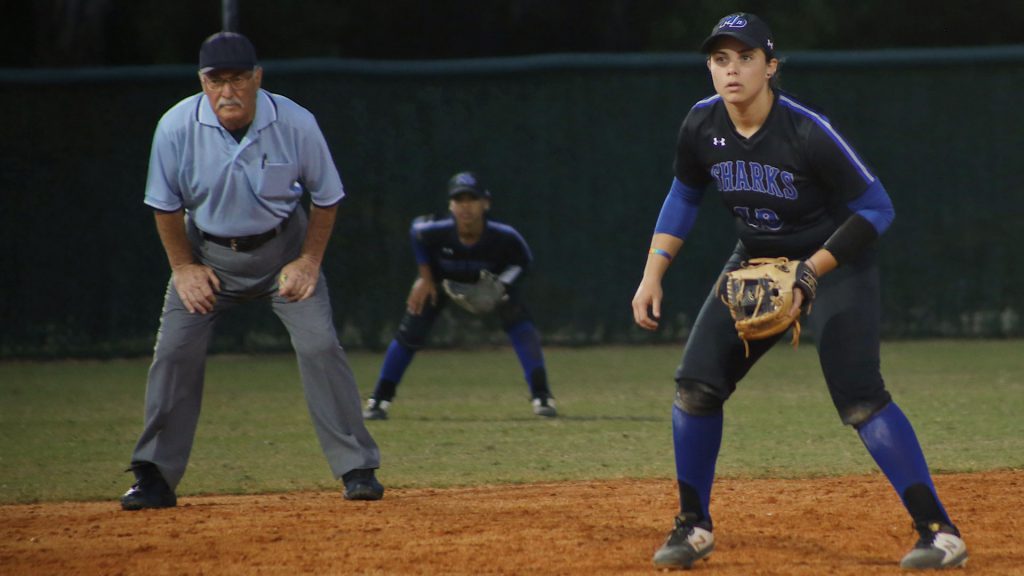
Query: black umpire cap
(746, 28)
(227, 51)
(467, 183)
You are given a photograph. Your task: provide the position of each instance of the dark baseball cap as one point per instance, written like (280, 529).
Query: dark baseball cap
(467, 183)
(226, 51)
(746, 28)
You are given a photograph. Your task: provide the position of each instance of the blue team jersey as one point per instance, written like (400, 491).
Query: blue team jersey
(230, 188)
(788, 187)
(500, 249)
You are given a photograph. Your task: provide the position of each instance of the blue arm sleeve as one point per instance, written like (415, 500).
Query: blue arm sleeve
(679, 211)
(875, 206)
(418, 249)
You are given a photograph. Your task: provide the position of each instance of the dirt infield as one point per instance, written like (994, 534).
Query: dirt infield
(830, 526)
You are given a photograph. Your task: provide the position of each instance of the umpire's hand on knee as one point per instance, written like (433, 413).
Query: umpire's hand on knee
(298, 279)
(197, 286)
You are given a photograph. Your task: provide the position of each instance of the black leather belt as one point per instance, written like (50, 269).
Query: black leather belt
(244, 243)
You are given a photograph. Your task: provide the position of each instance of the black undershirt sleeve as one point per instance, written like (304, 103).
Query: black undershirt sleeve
(851, 238)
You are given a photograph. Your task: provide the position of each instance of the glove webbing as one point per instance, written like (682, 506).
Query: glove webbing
(759, 296)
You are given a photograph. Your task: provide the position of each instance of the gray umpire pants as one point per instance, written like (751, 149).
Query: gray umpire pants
(175, 387)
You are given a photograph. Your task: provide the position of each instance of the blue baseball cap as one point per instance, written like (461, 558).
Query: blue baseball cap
(227, 51)
(746, 28)
(467, 183)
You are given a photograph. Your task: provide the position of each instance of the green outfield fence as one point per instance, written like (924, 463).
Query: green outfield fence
(578, 152)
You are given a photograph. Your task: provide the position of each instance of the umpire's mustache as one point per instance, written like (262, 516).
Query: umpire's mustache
(228, 102)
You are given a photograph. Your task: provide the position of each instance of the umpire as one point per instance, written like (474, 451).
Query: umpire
(227, 171)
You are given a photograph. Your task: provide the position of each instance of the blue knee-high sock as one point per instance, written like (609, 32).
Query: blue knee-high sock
(697, 440)
(526, 341)
(396, 360)
(891, 440)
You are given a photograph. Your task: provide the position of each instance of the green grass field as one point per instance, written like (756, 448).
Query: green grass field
(463, 417)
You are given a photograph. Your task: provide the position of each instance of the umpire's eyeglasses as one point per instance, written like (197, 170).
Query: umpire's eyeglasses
(236, 82)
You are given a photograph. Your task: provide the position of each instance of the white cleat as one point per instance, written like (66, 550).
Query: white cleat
(940, 546)
(544, 407)
(376, 409)
(686, 544)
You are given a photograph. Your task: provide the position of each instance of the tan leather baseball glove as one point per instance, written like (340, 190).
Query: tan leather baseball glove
(760, 295)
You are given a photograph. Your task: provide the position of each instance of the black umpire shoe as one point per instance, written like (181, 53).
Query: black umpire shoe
(362, 485)
(149, 491)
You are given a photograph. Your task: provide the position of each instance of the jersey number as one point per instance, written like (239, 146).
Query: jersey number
(759, 218)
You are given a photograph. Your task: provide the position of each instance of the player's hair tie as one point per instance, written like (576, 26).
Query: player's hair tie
(660, 252)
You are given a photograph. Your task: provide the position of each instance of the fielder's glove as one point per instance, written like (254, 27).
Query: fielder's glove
(759, 296)
(479, 297)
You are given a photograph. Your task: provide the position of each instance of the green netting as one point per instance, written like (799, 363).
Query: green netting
(578, 151)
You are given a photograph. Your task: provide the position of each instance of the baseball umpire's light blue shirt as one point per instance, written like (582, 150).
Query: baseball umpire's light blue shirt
(231, 188)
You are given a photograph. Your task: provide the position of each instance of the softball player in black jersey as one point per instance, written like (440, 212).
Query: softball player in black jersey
(795, 188)
(457, 248)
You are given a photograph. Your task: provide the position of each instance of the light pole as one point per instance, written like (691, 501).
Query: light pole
(229, 15)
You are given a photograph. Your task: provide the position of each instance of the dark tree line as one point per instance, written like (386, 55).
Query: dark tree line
(67, 33)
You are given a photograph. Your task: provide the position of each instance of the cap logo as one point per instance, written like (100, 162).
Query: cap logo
(465, 180)
(771, 46)
(737, 21)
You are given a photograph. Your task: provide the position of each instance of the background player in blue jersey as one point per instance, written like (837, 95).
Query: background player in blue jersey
(796, 189)
(457, 248)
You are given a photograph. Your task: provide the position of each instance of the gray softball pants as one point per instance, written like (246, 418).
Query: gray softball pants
(175, 386)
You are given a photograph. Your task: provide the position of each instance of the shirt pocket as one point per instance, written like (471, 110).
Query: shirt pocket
(278, 182)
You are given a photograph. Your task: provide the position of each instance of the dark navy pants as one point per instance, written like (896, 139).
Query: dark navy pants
(845, 324)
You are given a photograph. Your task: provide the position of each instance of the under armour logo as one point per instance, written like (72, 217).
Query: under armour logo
(718, 141)
(737, 21)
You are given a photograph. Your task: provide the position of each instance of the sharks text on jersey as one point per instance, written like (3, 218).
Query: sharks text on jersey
(736, 175)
